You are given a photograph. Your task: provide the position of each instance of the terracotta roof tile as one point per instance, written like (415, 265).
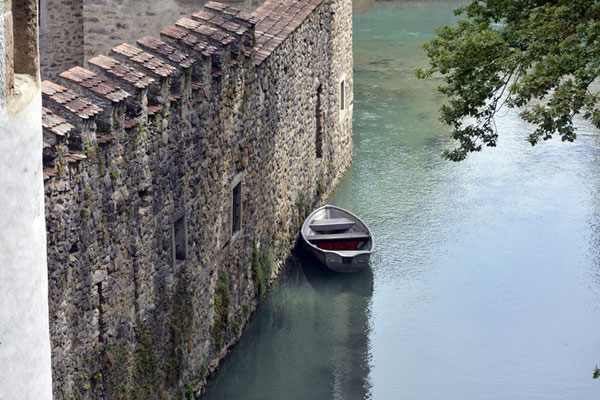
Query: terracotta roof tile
(215, 34)
(49, 172)
(175, 96)
(167, 51)
(122, 71)
(218, 21)
(54, 123)
(189, 40)
(74, 157)
(215, 5)
(230, 11)
(130, 123)
(145, 60)
(95, 83)
(275, 21)
(83, 108)
(153, 110)
(103, 138)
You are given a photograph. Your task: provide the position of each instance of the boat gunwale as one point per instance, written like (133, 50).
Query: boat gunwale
(339, 253)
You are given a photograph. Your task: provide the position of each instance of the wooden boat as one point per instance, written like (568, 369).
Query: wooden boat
(338, 238)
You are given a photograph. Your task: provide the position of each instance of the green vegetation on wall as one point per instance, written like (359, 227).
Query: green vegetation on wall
(262, 265)
(221, 308)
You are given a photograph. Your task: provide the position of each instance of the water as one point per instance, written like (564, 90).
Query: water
(486, 280)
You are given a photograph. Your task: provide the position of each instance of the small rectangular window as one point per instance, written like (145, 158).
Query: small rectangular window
(236, 208)
(342, 96)
(180, 238)
(319, 132)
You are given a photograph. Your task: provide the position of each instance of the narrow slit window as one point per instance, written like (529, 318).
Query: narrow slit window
(342, 95)
(21, 46)
(25, 36)
(42, 13)
(319, 132)
(180, 238)
(236, 211)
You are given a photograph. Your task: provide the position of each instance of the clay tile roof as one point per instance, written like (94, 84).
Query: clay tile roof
(74, 157)
(49, 172)
(153, 110)
(54, 123)
(130, 123)
(122, 71)
(167, 51)
(175, 96)
(146, 60)
(231, 11)
(205, 30)
(276, 20)
(191, 41)
(215, 5)
(103, 138)
(204, 15)
(95, 83)
(83, 108)
(216, 20)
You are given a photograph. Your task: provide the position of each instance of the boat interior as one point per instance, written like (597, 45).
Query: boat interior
(333, 229)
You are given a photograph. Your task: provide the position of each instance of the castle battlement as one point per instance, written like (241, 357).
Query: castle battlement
(191, 56)
(177, 173)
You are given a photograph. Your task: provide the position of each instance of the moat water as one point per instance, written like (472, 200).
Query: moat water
(486, 279)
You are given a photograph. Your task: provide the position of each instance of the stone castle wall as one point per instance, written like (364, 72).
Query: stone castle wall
(61, 36)
(149, 281)
(73, 31)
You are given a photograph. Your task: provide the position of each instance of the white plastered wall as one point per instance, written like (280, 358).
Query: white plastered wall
(25, 369)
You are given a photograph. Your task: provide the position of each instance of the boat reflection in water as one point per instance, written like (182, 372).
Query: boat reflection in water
(309, 340)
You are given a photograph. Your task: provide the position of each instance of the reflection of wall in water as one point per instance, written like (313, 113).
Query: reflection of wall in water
(310, 339)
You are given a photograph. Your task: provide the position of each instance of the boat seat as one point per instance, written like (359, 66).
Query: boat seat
(339, 236)
(331, 224)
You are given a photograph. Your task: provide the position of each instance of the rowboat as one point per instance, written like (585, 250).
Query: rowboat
(338, 239)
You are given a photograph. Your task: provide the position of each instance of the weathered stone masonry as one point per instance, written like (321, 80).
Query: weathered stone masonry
(145, 154)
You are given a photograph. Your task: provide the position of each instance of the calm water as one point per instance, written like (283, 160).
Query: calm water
(486, 280)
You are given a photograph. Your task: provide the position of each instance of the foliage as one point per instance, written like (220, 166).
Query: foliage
(221, 315)
(146, 360)
(541, 56)
(189, 391)
(262, 266)
(596, 374)
(85, 216)
(181, 333)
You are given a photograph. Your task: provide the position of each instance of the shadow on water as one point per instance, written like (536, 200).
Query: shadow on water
(309, 340)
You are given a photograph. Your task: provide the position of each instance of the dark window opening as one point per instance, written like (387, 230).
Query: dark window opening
(21, 45)
(319, 133)
(236, 212)
(25, 36)
(342, 96)
(180, 238)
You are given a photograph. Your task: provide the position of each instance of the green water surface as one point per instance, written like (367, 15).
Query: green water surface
(485, 283)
